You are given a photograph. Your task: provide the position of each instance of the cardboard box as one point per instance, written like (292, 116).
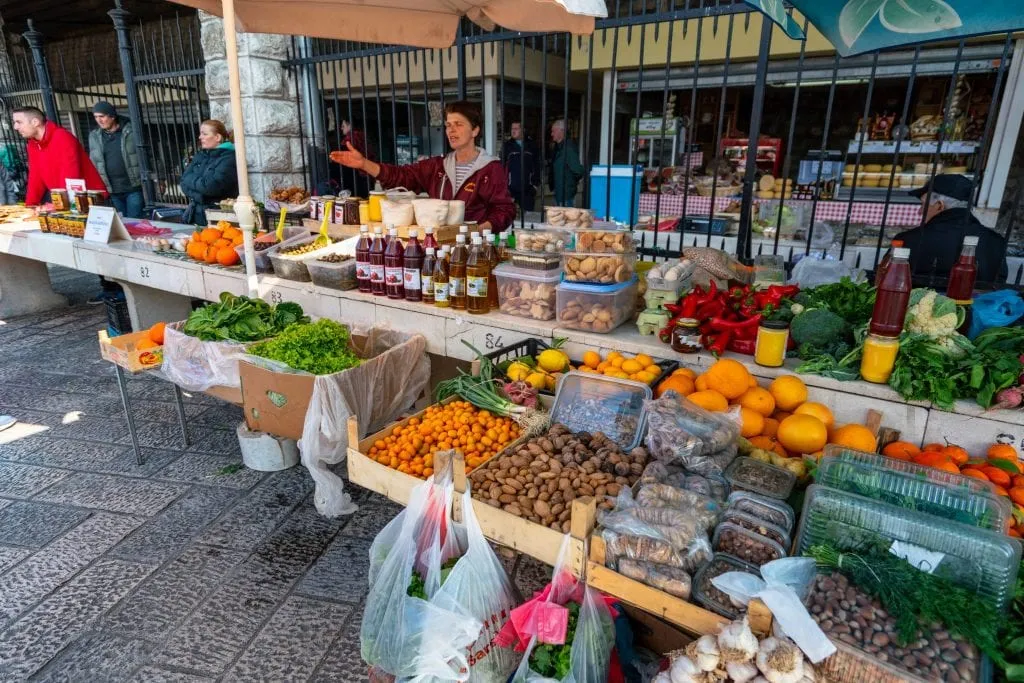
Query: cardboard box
(275, 402)
(121, 351)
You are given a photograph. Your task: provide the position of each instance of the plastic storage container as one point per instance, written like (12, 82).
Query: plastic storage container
(604, 241)
(747, 474)
(341, 275)
(593, 403)
(957, 481)
(526, 293)
(568, 217)
(914, 493)
(549, 241)
(294, 267)
(749, 546)
(766, 509)
(684, 270)
(770, 531)
(705, 594)
(598, 268)
(979, 560)
(292, 235)
(595, 308)
(534, 261)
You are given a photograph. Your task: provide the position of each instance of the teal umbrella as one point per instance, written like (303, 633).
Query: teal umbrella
(856, 26)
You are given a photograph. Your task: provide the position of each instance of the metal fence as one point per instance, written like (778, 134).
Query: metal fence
(712, 67)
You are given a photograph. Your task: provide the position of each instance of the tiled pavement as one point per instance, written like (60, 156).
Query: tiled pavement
(182, 570)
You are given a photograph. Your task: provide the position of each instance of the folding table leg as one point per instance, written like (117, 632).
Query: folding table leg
(122, 385)
(181, 415)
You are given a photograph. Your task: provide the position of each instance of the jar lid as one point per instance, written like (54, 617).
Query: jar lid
(688, 322)
(774, 324)
(881, 339)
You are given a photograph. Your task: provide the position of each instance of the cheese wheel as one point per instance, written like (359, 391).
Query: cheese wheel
(765, 194)
(766, 183)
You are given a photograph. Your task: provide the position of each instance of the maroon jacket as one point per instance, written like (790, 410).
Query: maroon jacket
(485, 190)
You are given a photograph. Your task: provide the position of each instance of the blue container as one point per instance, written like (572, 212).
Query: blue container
(622, 199)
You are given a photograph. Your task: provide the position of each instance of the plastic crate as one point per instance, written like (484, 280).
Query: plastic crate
(119, 320)
(528, 347)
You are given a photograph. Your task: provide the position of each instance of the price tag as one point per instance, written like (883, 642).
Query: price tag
(921, 558)
(280, 224)
(74, 186)
(104, 225)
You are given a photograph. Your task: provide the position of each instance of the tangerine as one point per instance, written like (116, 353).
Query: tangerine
(771, 427)
(857, 437)
(701, 383)
(996, 476)
(936, 460)
(210, 235)
(728, 377)
(227, 256)
(758, 399)
(211, 254)
(686, 372)
(631, 366)
(1002, 450)
(146, 343)
(709, 400)
(678, 383)
(957, 454)
(751, 422)
(156, 333)
(973, 472)
(789, 391)
(770, 444)
(592, 359)
(802, 433)
(901, 450)
(933, 447)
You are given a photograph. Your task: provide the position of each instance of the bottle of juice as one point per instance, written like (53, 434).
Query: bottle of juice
(502, 244)
(883, 265)
(493, 260)
(427, 275)
(442, 287)
(892, 296)
(464, 230)
(363, 259)
(964, 273)
(393, 274)
(377, 263)
(428, 238)
(457, 273)
(478, 274)
(412, 264)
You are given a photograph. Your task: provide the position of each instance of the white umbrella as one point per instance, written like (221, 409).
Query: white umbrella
(417, 23)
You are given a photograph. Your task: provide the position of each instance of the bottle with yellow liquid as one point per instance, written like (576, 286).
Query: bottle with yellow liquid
(442, 287)
(457, 273)
(478, 274)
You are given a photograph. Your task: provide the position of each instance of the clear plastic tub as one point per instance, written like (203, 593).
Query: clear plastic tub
(980, 560)
(532, 261)
(341, 275)
(957, 481)
(595, 308)
(568, 217)
(758, 526)
(526, 293)
(544, 241)
(747, 474)
(706, 595)
(767, 509)
(910, 491)
(680, 280)
(599, 269)
(293, 267)
(593, 403)
(749, 546)
(604, 241)
(292, 235)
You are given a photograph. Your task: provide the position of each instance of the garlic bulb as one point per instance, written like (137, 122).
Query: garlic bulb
(780, 661)
(741, 672)
(704, 653)
(684, 670)
(737, 643)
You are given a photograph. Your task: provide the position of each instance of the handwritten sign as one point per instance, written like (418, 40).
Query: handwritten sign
(104, 225)
(74, 186)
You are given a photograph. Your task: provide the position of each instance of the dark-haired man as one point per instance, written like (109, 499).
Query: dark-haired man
(113, 151)
(54, 155)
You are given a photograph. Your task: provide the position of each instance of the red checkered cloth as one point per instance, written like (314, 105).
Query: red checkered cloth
(868, 213)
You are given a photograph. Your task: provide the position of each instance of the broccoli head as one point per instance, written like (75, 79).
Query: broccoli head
(818, 327)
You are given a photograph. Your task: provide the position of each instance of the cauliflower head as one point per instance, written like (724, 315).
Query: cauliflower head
(931, 314)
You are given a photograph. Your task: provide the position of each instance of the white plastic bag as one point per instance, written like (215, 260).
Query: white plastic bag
(196, 365)
(812, 271)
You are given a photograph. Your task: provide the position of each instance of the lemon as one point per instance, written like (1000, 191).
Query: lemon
(517, 371)
(646, 377)
(631, 366)
(553, 360)
(537, 380)
(643, 359)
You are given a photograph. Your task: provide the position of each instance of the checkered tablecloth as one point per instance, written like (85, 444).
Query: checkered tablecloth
(868, 213)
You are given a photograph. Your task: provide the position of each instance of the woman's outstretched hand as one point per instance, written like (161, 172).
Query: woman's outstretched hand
(352, 158)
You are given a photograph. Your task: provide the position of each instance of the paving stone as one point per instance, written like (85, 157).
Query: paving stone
(163, 536)
(117, 494)
(168, 435)
(209, 469)
(162, 408)
(166, 598)
(29, 643)
(21, 481)
(90, 456)
(210, 440)
(36, 524)
(10, 556)
(155, 674)
(262, 508)
(49, 568)
(371, 517)
(292, 643)
(30, 439)
(343, 661)
(341, 572)
(107, 430)
(98, 658)
(65, 402)
(224, 416)
(4, 502)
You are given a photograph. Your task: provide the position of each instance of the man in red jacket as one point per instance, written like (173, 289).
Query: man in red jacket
(54, 155)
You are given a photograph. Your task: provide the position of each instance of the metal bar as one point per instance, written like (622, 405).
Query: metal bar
(611, 119)
(661, 138)
(634, 157)
(460, 63)
(787, 164)
(35, 43)
(743, 239)
(824, 145)
(180, 405)
(120, 18)
(721, 122)
(123, 388)
(862, 135)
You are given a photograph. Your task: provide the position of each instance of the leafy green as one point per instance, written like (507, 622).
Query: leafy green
(320, 348)
(995, 364)
(925, 371)
(555, 661)
(851, 301)
(418, 587)
(241, 319)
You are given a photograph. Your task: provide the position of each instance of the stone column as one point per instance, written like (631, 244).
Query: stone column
(272, 131)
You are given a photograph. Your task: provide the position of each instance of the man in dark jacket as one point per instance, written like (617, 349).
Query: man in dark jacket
(114, 153)
(521, 160)
(935, 246)
(565, 168)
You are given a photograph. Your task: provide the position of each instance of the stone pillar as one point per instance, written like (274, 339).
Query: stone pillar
(269, 105)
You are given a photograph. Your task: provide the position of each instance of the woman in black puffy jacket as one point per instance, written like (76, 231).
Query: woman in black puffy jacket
(211, 175)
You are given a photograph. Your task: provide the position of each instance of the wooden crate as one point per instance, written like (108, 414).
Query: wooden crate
(692, 618)
(444, 234)
(121, 351)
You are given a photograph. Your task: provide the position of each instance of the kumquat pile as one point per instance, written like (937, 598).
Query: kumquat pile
(477, 434)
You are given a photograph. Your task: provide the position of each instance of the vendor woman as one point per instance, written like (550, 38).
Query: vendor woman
(467, 172)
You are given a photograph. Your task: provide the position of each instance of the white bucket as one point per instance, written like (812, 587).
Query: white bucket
(266, 453)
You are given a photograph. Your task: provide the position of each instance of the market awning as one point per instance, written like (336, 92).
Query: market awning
(417, 23)
(857, 26)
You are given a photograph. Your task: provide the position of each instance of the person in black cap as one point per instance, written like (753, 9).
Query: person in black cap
(935, 246)
(113, 152)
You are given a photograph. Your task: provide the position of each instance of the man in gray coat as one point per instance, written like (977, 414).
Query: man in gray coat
(113, 152)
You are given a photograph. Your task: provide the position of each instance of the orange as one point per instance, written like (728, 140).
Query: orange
(933, 447)
(227, 256)
(231, 233)
(901, 450)
(973, 472)
(817, 410)
(752, 382)
(237, 240)
(789, 391)
(156, 333)
(957, 454)
(728, 377)
(996, 475)
(682, 385)
(751, 422)
(857, 437)
(222, 243)
(709, 400)
(1017, 495)
(197, 236)
(602, 366)
(211, 254)
(1002, 450)
(592, 359)
(616, 361)
(936, 460)
(781, 415)
(645, 376)
(197, 250)
(701, 383)
(770, 444)
(644, 360)
(802, 434)
(686, 372)
(759, 400)
(630, 366)
(211, 235)
(771, 427)
(146, 343)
